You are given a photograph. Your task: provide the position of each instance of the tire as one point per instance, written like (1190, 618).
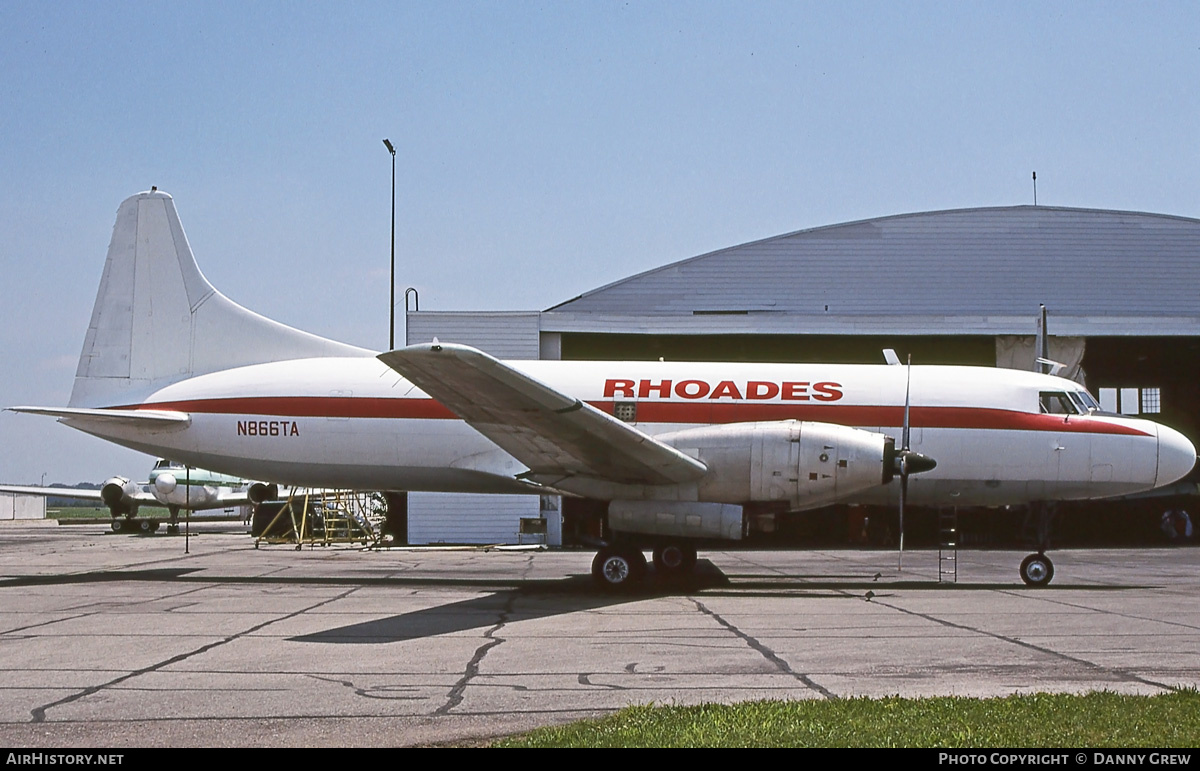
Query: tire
(1037, 570)
(118, 524)
(146, 526)
(674, 559)
(619, 569)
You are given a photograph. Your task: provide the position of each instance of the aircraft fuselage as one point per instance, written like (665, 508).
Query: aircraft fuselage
(353, 422)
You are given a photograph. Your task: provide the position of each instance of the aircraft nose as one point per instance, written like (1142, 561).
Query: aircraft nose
(165, 483)
(1176, 456)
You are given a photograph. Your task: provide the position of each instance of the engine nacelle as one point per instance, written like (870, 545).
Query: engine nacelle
(681, 519)
(261, 492)
(118, 495)
(803, 464)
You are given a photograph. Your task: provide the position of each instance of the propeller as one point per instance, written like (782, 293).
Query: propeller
(905, 461)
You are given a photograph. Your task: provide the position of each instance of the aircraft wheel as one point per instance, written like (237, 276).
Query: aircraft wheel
(118, 525)
(172, 529)
(146, 526)
(1037, 570)
(619, 569)
(674, 558)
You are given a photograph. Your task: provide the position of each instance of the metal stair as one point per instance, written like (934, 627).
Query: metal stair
(948, 545)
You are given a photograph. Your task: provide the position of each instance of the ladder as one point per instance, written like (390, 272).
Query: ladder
(323, 517)
(948, 545)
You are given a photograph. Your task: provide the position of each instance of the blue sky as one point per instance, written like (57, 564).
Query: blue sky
(544, 149)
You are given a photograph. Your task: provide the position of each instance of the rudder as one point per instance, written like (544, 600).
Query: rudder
(158, 320)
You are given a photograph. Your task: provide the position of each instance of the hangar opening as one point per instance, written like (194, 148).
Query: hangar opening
(948, 287)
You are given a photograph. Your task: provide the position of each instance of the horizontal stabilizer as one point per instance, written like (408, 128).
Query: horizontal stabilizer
(161, 418)
(554, 434)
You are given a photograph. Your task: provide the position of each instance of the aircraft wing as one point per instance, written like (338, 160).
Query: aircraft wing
(53, 492)
(142, 498)
(554, 434)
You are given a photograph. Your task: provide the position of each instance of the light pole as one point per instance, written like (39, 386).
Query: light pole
(392, 307)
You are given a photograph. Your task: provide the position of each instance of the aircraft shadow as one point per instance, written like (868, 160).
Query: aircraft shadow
(543, 599)
(540, 598)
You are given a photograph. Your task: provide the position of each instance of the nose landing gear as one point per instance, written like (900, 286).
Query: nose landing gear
(1037, 570)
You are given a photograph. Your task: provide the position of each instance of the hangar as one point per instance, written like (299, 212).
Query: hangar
(961, 286)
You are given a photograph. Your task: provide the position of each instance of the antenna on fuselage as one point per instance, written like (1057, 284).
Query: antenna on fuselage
(1055, 366)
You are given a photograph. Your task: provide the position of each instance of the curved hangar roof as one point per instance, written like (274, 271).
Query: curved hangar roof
(965, 271)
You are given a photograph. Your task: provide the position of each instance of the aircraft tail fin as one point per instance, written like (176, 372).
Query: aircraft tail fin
(158, 320)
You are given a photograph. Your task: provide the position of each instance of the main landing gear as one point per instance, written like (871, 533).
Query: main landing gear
(1037, 570)
(619, 568)
(134, 525)
(674, 559)
(131, 523)
(623, 567)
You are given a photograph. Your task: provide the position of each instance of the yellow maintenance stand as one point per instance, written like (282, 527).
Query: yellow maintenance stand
(320, 518)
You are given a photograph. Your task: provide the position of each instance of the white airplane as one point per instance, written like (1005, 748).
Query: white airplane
(675, 451)
(171, 485)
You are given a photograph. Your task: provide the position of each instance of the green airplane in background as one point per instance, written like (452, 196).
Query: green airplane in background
(172, 486)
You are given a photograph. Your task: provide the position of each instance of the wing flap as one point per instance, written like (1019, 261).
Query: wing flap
(554, 434)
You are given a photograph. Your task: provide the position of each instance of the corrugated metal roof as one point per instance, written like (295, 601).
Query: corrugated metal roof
(1106, 267)
(504, 334)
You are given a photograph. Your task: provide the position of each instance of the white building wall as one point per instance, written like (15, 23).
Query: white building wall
(22, 507)
(475, 519)
(470, 518)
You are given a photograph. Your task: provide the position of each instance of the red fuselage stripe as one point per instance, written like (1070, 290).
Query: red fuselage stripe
(663, 412)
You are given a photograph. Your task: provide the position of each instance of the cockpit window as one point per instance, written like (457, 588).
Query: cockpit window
(1058, 403)
(1078, 399)
(1089, 402)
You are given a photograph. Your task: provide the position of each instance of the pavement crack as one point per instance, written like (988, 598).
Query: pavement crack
(39, 713)
(585, 678)
(1124, 673)
(455, 697)
(766, 652)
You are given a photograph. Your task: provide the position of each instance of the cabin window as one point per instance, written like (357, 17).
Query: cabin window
(1058, 403)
